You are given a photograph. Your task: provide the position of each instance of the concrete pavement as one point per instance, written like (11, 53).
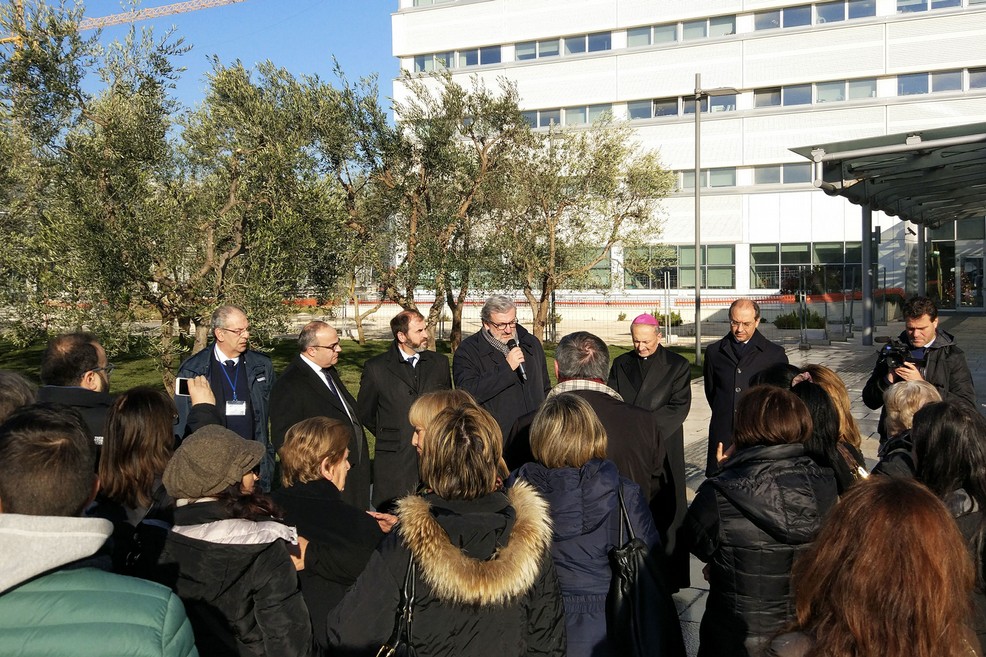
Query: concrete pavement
(853, 362)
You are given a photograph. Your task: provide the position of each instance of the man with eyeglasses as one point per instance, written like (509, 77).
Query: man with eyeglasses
(391, 382)
(730, 364)
(502, 365)
(310, 387)
(75, 372)
(240, 379)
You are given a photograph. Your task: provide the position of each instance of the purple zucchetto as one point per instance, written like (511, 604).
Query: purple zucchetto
(646, 318)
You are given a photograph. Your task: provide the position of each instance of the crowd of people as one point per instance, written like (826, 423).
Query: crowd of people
(244, 516)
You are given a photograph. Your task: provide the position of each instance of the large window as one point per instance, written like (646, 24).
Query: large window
(718, 266)
(816, 267)
(659, 266)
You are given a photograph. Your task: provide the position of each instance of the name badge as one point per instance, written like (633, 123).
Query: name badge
(234, 408)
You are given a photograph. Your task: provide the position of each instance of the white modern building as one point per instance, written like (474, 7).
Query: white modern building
(803, 74)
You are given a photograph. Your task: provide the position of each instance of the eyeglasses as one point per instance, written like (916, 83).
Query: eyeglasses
(108, 369)
(502, 326)
(326, 346)
(238, 332)
(746, 325)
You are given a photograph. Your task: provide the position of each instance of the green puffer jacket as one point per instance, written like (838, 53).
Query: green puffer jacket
(53, 603)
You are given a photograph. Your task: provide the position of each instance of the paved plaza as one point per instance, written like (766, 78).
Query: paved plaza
(853, 362)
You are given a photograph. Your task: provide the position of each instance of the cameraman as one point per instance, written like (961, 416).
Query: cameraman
(921, 353)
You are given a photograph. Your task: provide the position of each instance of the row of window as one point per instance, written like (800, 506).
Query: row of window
(567, 46)
(788, 267)
(815, 93)
(665, 33)
(908, 6)
(569, 116)
(823, 12)
(437, 61)
(819, 267)
(795, 173)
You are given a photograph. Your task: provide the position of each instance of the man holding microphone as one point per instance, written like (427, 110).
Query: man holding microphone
(502, 365)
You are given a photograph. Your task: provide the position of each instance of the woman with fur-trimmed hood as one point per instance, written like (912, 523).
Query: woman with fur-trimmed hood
(484, 580)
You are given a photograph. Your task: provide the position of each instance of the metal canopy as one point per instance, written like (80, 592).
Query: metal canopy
(928, 177)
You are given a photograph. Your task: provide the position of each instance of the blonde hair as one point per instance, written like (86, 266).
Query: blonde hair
(307, 444)
(567, 433)
(833, 384)
(902, 400)
(427, 406)
(461, 458)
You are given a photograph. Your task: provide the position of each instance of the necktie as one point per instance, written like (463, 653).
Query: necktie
(412, 361)
(230, 365)
(327, 373)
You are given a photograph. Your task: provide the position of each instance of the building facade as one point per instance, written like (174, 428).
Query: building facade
(803, 73)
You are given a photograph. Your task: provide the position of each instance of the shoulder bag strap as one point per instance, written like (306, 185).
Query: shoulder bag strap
(625, 517)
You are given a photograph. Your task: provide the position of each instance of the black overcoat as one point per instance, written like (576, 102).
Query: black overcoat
(482, 371)
(666, 391)
(388, 388)
(300, 394)
(727, 378)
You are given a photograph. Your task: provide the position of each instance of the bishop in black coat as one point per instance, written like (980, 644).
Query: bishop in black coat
(659, 380)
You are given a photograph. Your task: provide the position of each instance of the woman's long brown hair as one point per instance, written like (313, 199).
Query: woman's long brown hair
(888, 576)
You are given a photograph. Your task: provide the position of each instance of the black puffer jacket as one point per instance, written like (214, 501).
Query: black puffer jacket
(341, 540)
(485, 583)
(946, 369)
(238, 584)
(749, 523)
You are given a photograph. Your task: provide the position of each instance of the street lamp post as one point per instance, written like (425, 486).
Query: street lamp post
(700, 95)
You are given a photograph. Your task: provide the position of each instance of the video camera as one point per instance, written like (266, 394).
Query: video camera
(896, 353)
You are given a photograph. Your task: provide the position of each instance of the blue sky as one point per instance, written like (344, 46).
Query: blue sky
(299, 35)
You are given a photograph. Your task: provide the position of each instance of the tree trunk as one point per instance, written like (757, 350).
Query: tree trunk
(168, 352)
(456, 304)
(539, 308)
(433, 317)
(201, 337)
(358, 316)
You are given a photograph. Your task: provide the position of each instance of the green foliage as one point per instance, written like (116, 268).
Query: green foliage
(792, 320)
(674, 319)
(622, 317)
(574, 195)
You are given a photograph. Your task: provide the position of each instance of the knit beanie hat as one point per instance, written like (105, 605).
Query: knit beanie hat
(209, 461)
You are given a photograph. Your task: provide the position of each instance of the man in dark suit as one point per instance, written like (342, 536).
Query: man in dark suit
(75, 372)
(240, 379)
(508, 381)
(310, 387)
(390, 384)
(659, 380)
(635, 442)
(730, 364)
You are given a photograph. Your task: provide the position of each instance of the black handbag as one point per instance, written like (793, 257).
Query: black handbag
(399, 644)
(641, 617)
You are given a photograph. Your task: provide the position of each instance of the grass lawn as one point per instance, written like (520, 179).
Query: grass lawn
(136, 368)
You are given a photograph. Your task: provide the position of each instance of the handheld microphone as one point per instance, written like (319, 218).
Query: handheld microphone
(511, 343)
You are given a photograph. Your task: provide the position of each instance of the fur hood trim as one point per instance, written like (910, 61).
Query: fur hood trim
(454, 577)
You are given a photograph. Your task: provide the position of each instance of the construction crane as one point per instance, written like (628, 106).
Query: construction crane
(134, 16)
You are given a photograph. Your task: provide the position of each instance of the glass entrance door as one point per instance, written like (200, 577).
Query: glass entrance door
(970, 283)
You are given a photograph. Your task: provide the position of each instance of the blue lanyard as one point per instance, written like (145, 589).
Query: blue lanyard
(232, 382)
